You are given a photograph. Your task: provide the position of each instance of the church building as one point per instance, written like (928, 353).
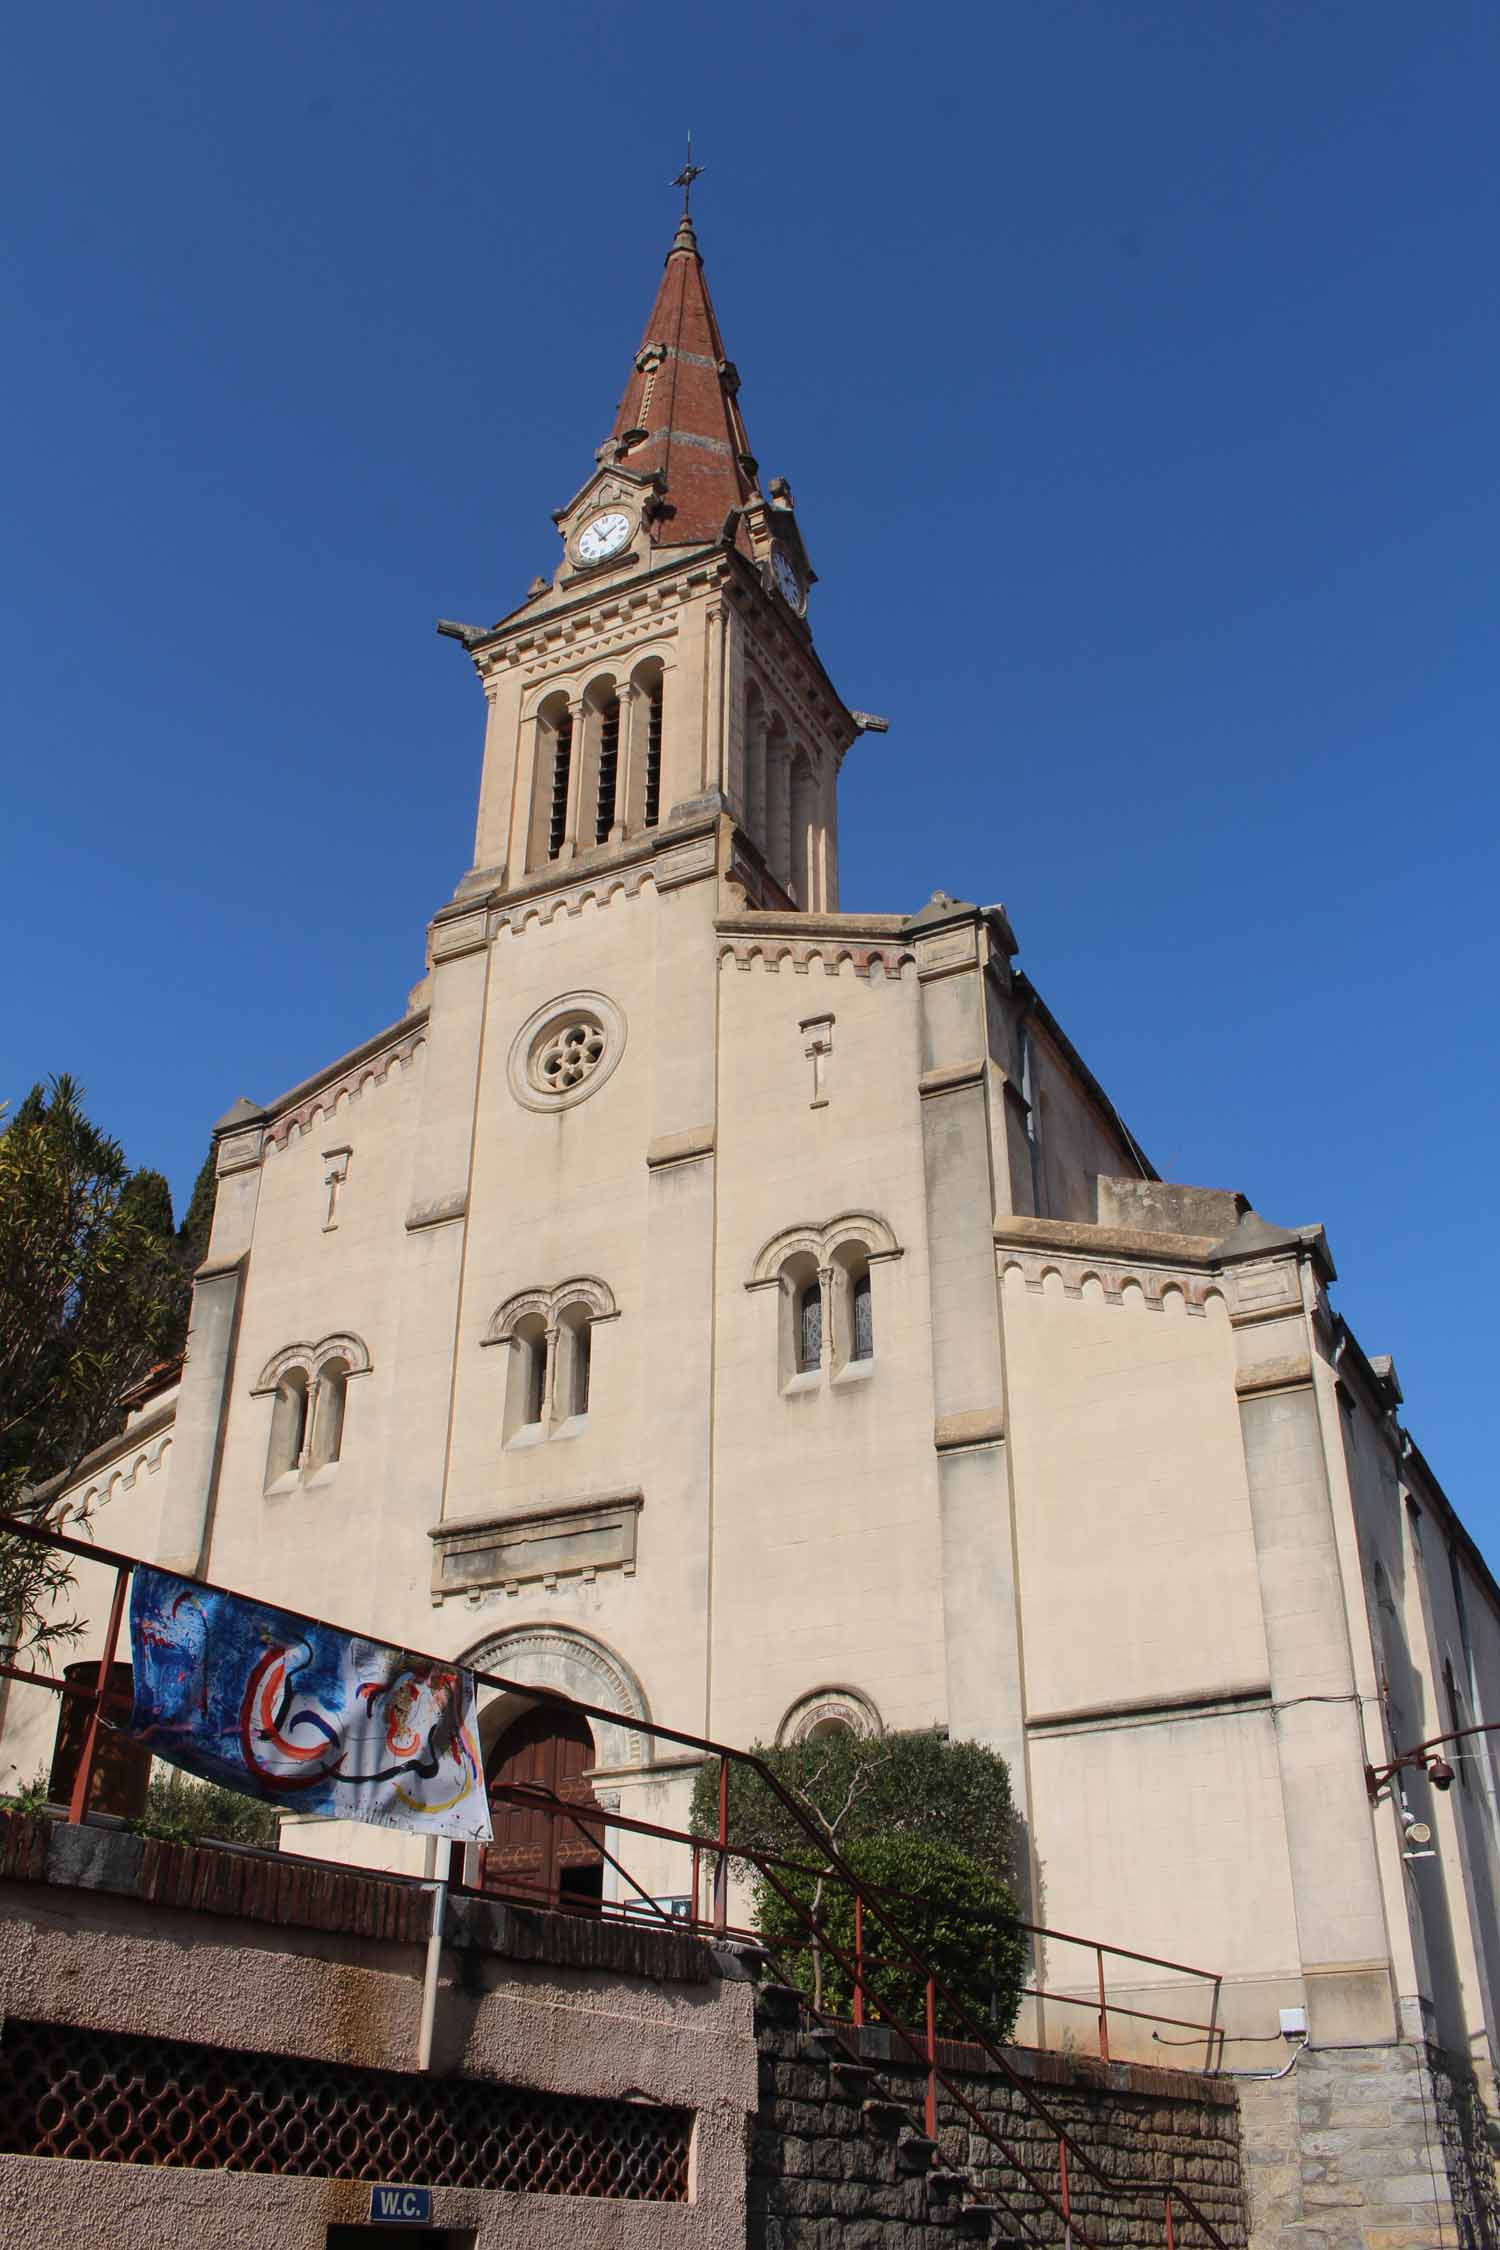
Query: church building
(755, 1317)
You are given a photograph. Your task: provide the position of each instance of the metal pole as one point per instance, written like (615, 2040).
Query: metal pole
(859, 1961)
(1103, 2006)
(1171, 2236)
(1067, 2200)
(83, 1780)
(434, 1949)
(931, 2060)
(721, 1867)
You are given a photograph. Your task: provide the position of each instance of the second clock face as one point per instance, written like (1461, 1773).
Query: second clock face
(788, 584)
(605, 536)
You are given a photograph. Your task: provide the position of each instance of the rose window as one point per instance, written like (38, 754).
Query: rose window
(566, 1050)
(571, 1054)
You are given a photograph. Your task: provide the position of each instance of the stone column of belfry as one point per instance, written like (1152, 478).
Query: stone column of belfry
(578, 761)
(630, 769)
(531, 805)
(716, 734)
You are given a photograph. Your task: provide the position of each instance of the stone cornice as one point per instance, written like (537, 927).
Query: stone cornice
(535, 628)
(1194, 1265)
(793, 924)
(771, 952)
(369, 1061)
(863, 940)
(681, 850)
(538, 632)
(1085, 1240)
(134, 1438)
(369, 1065)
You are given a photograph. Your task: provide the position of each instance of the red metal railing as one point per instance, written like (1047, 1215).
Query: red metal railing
(871, 1907)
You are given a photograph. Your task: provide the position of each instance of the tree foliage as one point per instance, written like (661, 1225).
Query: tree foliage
(955, 1914)
(93, 1294)
(850, 1785)
(912, 1812)
(197, 1219)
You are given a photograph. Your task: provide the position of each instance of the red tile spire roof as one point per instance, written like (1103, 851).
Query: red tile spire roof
(680, 414)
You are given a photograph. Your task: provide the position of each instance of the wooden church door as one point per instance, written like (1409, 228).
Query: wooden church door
(537, 1853)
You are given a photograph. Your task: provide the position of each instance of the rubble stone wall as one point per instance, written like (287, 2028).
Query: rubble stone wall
(829, 2147)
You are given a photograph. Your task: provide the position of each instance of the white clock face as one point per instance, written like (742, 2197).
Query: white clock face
(605, 536)
(789, 585)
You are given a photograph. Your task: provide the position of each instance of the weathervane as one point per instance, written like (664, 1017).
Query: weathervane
(685, 178)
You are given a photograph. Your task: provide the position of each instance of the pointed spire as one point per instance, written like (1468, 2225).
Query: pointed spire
(680, 414)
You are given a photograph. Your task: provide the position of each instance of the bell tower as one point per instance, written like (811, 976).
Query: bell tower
(666, 669)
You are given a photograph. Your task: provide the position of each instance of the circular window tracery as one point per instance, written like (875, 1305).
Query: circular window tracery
(565, 1058)
(565, 1051)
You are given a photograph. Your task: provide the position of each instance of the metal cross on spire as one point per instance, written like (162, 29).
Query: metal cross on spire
(685, 178)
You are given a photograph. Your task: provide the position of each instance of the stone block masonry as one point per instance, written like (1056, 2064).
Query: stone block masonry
(1371, 2148)
(837, 2162)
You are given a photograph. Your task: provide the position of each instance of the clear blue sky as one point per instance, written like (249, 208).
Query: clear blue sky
(1135, 369)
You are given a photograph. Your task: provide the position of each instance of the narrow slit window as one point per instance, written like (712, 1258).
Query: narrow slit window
(810, 1327)
(328, 1415)
(562, 758)
(863, 1341)
(609, 765)
(653, 754)
(583, 1355)
(288, 1425)
(535, 1350)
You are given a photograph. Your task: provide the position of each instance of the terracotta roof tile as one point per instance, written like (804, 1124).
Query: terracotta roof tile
(681, 398)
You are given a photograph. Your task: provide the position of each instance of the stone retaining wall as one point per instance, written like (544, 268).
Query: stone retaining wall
(823, 2162)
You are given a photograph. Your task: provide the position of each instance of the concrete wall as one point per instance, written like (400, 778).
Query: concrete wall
(94, 1957)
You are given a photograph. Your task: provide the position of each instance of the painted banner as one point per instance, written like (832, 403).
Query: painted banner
(313, 1720)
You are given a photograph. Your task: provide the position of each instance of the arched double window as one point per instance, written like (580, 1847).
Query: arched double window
(308, 1385)
(549, 1340)
(825, 1292)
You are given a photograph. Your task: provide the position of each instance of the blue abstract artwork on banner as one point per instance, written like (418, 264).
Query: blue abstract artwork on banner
(307, 1718)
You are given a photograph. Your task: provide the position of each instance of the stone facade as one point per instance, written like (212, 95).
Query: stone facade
(1372, 2149)
(724, 1307)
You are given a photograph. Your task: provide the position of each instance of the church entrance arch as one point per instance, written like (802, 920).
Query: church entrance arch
(539, 1853)
(528, 1743)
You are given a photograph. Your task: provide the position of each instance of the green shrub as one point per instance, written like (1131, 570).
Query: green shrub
(32, 1798)
(910, 1784)
(180, 1810)
(958, 1916)
(881, 1801)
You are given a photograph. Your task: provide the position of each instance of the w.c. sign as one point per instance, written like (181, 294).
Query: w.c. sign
(401, 2207)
